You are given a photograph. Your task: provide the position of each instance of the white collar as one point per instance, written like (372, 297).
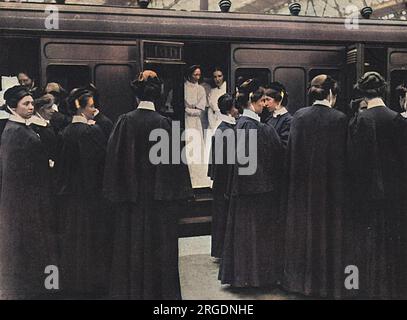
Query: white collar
(38, 120)
(17, 118)
(227, 118)
(279, 112)
(221, 88)
(324, 102)
(192, 84)
(251, 114)
(404, 114)
(375, 102)
(4, 115)
(79, 119)
(146, 105)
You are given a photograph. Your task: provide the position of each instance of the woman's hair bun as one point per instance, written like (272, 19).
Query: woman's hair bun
(371, 84)
(321, 86)
(15, 94)
(147, 86)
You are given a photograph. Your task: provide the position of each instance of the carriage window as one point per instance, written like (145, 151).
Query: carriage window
(376, 60)
(294, 81)
(111, 103)
(13, 59)
(261, 74)
(69, 76)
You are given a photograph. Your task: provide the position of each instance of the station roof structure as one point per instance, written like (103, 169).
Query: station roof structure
(382, 9)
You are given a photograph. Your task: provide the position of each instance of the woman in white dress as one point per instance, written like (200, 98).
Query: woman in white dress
(195, 103)
(216, 92)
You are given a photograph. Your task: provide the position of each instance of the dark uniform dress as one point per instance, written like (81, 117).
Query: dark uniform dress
(26, 216)
(281, 123)
(48, 135)
(51, 142)
(251, 252)
(147, 198)
(3, 120)
(84, 216)
(376, 228)
(314, 207)
(219, 171)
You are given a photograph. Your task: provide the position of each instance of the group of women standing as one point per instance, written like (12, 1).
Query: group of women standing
(51, 204)
(324, 214)
(95, 208)
(326, 195)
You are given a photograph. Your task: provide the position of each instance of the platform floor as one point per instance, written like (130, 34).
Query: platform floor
(199, 276)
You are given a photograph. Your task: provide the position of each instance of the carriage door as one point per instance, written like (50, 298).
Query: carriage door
(110, 65)
(292, 65)
(166, 58)
(397, 74)
(354, 66)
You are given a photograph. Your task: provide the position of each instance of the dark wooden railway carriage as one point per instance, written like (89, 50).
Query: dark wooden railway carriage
(110, 45)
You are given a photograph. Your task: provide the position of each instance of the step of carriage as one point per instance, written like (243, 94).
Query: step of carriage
(194, 226)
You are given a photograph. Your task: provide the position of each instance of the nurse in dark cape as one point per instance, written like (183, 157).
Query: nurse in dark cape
(219, 170)
(251, 256)
(103, 121)
(148, 195)
(4, 115)
(26, 247)
(40, 123)
(315, 187)
(62, 116)
(376, 228)
(279, 118)
(84, 216)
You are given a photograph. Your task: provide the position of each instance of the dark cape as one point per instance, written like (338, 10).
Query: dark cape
(314, 202)
(51, 142)
(219, 171)
(147, 198)
(60, 121)
(26, 217)
(376, 241)
(281, 124)
(251, 255)
(104, 123)
(84, 216)
(3, 121)
(49, 138)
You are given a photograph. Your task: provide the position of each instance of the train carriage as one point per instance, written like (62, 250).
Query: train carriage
(110, 45)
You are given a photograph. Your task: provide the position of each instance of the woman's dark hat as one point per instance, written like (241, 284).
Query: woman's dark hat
(15, 94)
